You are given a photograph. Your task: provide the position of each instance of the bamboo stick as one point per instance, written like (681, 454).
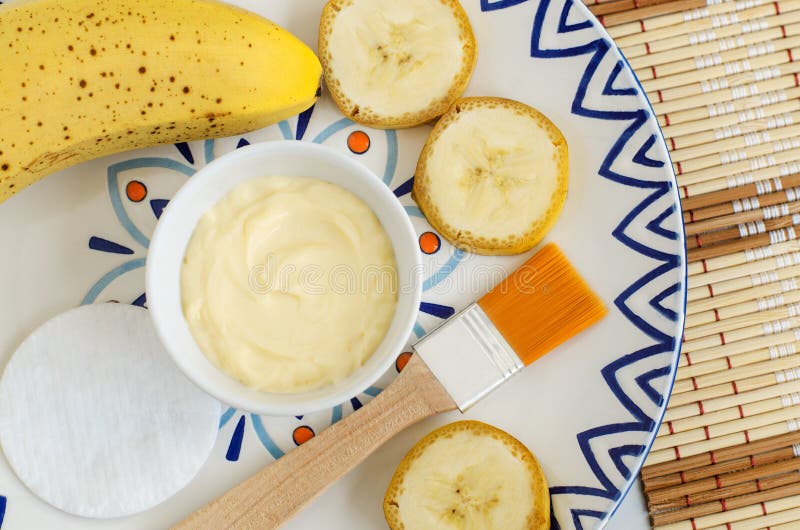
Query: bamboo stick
(705, 23)
(718, 482)
(696, 370)
(747, 294)
(744, 488)
(763, 222)
(766, 46)
(752, 315)
(737, 374)
(694, 513)
(697, 322)
(753, 124)
(743, 209)
(720, 147)
(739, 192)
(713, 107)
(703, 407)
(734, 387)
(721, 351)
(730, 440)
(682, 130)
(717, 279)
(608, 8)
(710, 461)
(723, 235)
(735, 336)
(738, 258)
(769, 212)
(727, 416)
(736, 73)
(707, 33)
(651, 11)
(678, 60)
(729, 88)
(794, 524)
(720, 365)
(753, 517)
(736, 284)
(712, 432)
(773, 236)
(729, 466)
(673, 19)
(741, 179)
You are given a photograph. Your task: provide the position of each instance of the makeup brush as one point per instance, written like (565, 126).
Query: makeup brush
(539, 306)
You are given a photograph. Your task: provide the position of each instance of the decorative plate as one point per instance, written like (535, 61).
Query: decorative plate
(589, 410)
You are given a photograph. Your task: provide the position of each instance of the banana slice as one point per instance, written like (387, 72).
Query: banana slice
(468, 475)
(393, 64)
(492, 177)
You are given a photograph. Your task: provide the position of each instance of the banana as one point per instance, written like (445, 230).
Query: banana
(86, 78)
(493, 175)
(391, 64)
(468, 476)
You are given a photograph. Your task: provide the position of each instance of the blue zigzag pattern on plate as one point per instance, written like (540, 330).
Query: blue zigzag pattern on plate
(574, 27)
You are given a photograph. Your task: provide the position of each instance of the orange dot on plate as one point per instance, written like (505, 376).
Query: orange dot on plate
(402, 361)
(429, 243)
(302, 434)
(136, 191)
(358, 142)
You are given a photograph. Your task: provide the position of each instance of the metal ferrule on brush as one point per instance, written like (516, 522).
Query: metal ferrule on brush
(468, 356)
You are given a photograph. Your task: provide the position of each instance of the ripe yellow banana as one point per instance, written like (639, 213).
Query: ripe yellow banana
(86, 78)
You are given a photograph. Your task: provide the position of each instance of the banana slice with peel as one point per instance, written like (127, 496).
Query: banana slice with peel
(493, 176)
(393, 64)
(468, 476)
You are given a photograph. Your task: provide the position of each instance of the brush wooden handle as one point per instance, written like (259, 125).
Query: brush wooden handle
(277, 492)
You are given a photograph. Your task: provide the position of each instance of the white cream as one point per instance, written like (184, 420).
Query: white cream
(289, 284)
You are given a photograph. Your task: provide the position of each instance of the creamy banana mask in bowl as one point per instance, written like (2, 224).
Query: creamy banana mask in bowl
(284, 278)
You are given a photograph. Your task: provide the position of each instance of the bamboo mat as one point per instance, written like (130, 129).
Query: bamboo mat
(723, 80)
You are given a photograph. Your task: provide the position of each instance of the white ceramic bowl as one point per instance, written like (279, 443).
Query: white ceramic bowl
(206, 188)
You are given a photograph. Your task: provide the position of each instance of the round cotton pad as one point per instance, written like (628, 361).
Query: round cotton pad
(97, 420)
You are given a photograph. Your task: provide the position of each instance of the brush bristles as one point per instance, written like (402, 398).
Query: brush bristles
(542, 304)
